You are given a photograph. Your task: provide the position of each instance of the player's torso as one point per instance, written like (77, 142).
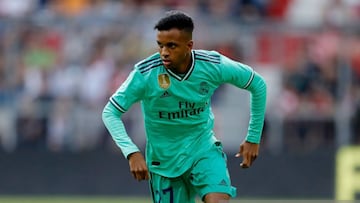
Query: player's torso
(178, 117)
(173, 99)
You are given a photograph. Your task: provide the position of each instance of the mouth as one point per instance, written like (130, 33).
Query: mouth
(166, 62)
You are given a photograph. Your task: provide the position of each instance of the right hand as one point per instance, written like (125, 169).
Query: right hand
(138, 166)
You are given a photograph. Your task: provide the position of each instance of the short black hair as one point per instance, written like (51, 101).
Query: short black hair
(175, 19)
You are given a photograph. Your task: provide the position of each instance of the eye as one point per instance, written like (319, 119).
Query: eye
(171, 45)
(159, 45)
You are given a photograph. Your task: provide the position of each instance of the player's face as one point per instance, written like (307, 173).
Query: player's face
(175, 49)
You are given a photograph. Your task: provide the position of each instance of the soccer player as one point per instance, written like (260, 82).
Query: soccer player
(174, 86)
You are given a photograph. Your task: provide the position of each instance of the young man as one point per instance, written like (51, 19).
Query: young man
(183, 157)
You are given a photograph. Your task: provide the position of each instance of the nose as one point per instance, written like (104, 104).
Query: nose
(164, 52)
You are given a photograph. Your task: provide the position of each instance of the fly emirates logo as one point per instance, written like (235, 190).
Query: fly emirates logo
(186, 110)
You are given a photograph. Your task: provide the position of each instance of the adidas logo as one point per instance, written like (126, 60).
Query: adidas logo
(223, 182)
(165, 94)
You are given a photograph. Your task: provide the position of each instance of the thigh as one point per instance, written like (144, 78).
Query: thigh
(210, 174)
(170, 190)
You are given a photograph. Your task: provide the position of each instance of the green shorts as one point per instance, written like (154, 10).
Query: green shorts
(208, 175)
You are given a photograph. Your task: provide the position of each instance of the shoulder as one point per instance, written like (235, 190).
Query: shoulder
(148, 63)
(207, 56)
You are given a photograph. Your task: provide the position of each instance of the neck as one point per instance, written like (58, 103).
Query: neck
(186, 65)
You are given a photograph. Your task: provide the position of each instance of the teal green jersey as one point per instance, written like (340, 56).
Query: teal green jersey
(177, 108)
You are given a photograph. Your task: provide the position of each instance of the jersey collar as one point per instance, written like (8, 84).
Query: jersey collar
(185, 76)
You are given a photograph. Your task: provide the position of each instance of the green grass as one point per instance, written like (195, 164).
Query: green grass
(119, 199)
(72, 199)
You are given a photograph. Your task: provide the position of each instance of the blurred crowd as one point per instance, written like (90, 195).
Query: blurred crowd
(60, 60)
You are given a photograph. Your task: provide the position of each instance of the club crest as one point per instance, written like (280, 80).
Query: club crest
(204, 88)
(164, 81)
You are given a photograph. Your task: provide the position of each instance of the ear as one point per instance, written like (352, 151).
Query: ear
(190, 44)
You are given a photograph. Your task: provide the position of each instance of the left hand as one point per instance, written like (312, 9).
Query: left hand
(249, 152)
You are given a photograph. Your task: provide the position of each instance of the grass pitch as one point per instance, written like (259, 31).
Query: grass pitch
(72, 199)
(119, 199)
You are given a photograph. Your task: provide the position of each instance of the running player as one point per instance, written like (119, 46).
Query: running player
(174, 86)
